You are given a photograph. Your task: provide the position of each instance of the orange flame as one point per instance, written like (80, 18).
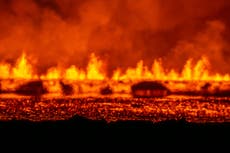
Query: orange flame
(94, 72)
(94, 69)
(191, 72)
(73, 73)
(5, 70)
(22, 70)
(198, 72)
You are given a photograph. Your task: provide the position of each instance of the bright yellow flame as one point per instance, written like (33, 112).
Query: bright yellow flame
(187, 71)
(94, 69)
(53, 73)
(158, 71)
(4, 71)
(199, 71)
(22, 69)
(173, 75)
(72, 73)
(94, 72)
(116, 75)
(191, 72)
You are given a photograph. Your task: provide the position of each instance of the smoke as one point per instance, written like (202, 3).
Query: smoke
(120, 32)
(209, 43)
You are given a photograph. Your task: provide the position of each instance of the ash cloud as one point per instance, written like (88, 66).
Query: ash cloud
(120, 32)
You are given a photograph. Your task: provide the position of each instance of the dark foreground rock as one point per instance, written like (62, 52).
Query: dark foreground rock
(148, 89)
(67, 89)
(34, 88)
(106, 91)
(127, 132)
(78, 122)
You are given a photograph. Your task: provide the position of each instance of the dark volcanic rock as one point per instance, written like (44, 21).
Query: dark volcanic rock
(75, 122)
(206, 91)
(32, 88)
(106, 90)
(206, 86)
(82, 122)
(86, 130)
(67, 89)
(149, 89)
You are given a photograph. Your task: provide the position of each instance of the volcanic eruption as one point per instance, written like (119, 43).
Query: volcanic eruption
(94, 54)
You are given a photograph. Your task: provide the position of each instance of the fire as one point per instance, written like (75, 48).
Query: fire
(93, 72)
(73, 73)
(53, 73)
(197, 72)
(5, 70)
(200, 71)
(94, 69)
(22, 70)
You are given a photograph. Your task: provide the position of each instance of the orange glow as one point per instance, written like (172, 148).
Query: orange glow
(199, 71)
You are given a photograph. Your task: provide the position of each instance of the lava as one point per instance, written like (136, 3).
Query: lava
(196, 110)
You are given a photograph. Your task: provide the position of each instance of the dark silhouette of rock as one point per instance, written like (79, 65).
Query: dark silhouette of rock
(137, 132)
(74, 122)
(67, 89)
(223, 93)
(106, 90)
(206, 91)
(131, 124)
(146, 89)
(34, 88)
(206, 86)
